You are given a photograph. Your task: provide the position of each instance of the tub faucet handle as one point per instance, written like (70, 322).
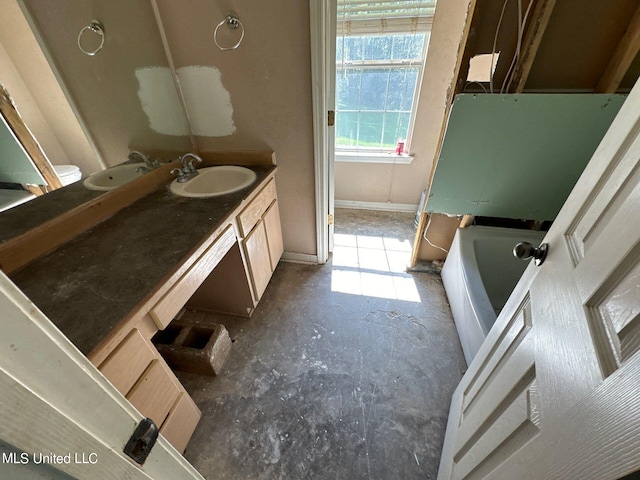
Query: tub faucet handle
(525, 251)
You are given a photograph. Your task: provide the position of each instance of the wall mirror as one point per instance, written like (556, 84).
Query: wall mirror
(115, 80)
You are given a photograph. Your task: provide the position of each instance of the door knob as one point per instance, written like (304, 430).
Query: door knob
(525, 251)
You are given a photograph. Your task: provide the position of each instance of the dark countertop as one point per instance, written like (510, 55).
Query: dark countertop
(89, 285)
(21, 219)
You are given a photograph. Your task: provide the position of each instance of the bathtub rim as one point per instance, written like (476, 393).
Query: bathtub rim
(464, 287)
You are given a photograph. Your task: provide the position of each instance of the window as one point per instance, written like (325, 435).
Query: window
(379, 64)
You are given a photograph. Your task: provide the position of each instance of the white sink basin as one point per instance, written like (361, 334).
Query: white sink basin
(214, 181)
(114, 177)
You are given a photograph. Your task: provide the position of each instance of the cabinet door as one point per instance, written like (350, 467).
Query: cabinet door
(274, 234)
(257, 252)
(181, 422)
(126, 364)
(155, 392)
(136, 369)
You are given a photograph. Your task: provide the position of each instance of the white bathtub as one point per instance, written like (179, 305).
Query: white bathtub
(479, 275)
(13, 198)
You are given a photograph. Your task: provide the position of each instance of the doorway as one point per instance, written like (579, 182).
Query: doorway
(368, 71)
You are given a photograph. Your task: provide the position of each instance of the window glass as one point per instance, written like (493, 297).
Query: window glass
(347, 129)
(407, 47)
(348, 89)
(395, 127)
(402, 86)
(351, 48)
(377, 47)
(370, 134)
(375, 89)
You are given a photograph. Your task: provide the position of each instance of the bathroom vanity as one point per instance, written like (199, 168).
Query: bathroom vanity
(119, 281)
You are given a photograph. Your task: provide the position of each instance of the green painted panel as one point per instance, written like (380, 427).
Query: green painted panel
(517, 156)
(15, 165)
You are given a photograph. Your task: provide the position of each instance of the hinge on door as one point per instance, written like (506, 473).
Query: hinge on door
(142, 441)
(331, 118)
(330, 219)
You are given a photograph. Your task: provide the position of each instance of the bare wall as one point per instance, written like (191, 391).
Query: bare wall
(104, 87)
(268, 80)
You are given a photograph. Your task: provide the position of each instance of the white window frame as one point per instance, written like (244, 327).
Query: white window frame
(372, 28)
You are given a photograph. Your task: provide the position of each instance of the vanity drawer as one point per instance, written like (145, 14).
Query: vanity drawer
(181, 422)
(155, 392)
(167, 308)
(254, 211)
(126, 364)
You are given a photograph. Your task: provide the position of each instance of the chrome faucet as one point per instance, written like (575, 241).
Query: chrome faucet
(188, 166)
(187, 171)
(149, 165)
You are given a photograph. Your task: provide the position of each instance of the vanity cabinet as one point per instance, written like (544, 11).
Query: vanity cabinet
(138, 371)
(178, 295)
(225, 268)
(227, 273)
(259, 224)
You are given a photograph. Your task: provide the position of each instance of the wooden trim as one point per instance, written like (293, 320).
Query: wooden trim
(622, 58)
(36, 190)
(248, 157)
(532, 39)
(449, 101)
(380, 206)
(466, 221)
(19, 251)
(418, 239)
(28, 141)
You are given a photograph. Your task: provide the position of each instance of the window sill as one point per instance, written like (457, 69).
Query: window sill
(372, 157)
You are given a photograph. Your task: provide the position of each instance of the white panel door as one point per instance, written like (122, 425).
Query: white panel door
(53, 401)
(554, 392)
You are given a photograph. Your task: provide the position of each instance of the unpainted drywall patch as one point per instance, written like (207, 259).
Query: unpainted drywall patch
(482, 67)
(159, 99)
(207, 101)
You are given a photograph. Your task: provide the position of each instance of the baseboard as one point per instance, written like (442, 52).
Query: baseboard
(384, 206)
(299, 258)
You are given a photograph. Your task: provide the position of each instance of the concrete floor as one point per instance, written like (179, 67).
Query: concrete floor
(345, 371)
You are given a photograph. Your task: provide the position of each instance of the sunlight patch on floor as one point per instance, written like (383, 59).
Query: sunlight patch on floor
(372, 266)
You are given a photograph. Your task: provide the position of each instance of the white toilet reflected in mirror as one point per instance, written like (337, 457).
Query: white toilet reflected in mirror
(68, 174)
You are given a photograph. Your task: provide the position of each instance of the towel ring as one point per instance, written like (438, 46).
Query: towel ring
(234, 22)
(96, 27)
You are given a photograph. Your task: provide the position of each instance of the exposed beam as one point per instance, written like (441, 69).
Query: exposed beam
(531, 42)
(621, 59)
(30, 144)
(36, 190)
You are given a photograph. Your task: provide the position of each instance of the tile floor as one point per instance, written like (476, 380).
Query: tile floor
(345, 370)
